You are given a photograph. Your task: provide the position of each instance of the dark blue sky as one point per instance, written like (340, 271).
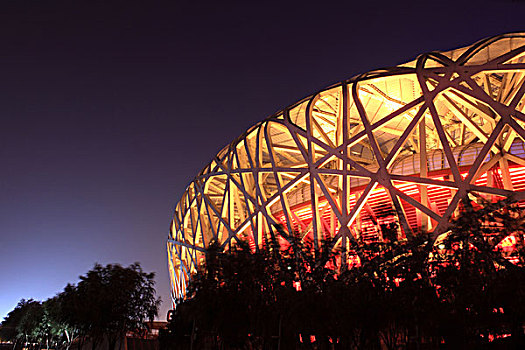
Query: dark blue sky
(109, 108)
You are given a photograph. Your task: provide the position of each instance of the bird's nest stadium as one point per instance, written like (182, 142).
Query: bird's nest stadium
(402, 144)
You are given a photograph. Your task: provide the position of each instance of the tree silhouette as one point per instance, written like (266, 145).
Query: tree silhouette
(462, 290)
(107, 302)
(20, 322)
(112, 300)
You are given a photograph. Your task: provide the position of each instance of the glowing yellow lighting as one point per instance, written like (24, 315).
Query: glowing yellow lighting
(217, 204)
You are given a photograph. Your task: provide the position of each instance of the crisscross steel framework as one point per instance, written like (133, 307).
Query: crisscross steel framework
(399, 145)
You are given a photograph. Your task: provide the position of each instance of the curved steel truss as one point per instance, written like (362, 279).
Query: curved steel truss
(401, 145)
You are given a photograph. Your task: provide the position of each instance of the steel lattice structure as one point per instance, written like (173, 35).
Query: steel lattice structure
(402, 145)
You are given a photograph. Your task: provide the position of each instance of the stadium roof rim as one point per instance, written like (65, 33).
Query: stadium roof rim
(404, 68)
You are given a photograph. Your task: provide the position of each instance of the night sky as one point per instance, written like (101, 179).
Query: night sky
(109, 108)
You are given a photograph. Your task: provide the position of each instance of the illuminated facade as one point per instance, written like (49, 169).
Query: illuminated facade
(401, 145)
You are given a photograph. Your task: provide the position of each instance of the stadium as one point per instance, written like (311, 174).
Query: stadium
(399, 146)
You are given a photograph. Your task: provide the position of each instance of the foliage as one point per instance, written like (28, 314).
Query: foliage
(482, 287)
(111, 300)
(463, 291)
(107, 302)
(32, 323)
(17, 325)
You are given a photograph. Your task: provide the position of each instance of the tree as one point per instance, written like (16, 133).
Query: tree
(59, 312)
(464, 290)
(481, 288)
(19, 323)
(248, 298)
(110, 301)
